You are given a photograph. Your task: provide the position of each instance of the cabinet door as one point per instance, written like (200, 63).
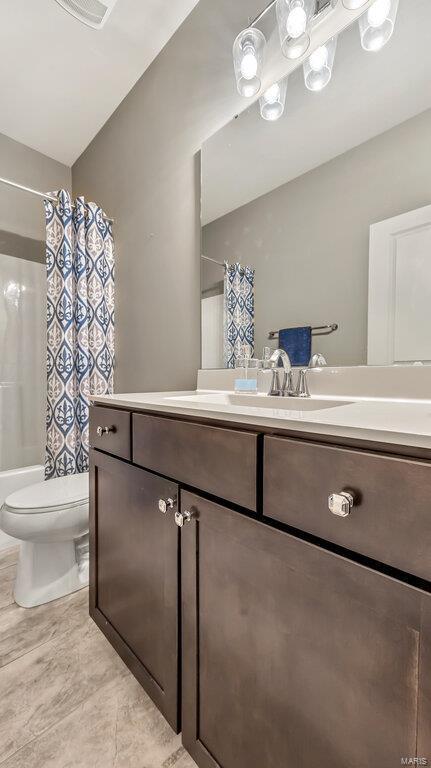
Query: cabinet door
(294, 656)
(134, 574)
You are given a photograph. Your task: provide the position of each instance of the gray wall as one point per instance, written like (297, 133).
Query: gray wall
(308, 239)
(142, 168)
(22, 213)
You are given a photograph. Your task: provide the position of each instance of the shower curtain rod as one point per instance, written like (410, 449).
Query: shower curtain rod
(220, 263)
(223, 264)
(43, 195)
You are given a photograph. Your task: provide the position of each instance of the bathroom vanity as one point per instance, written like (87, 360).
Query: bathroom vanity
(263, 564)
(265, 576)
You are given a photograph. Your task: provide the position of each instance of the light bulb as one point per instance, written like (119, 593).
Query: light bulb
(273, 101)
(376, 42)
(296, 23)
(319, 58)
(248, 54)
(377, 24)
(249, 64)
(378, 13)
(318, 66)
(272, 94)
(293, 19)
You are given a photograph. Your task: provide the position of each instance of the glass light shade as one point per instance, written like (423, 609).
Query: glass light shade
(273, 101)
(248, 55)
(377, 24)
(353, 5)
(318, 66)
(293, 17)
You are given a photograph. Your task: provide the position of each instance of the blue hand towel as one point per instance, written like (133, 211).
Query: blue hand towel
(297, 343)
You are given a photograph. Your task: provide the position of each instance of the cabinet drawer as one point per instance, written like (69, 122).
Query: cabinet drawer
(219, 461)
(118, 440)
(390, 520)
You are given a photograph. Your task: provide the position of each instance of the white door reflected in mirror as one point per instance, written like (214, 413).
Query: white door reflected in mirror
(399, 305)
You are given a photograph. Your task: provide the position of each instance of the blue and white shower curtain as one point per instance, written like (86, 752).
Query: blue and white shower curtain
(80, 326)
(238, 312)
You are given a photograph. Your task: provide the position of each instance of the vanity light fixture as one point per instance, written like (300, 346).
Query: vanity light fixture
(318, 66)
(377, 24)
(273, 101)
(293, 17)
(248, 56)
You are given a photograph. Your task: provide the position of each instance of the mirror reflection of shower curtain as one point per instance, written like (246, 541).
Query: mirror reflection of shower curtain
(22, 362)
(238, 312)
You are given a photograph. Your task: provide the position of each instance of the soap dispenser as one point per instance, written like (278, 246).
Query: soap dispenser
(247, 367)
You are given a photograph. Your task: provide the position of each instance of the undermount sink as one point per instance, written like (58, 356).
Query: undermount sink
(260, 401)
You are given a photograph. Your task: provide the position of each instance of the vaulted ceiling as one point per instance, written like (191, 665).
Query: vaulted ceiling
(61, 80)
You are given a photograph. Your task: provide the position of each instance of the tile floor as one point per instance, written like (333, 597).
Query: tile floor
(66, 699)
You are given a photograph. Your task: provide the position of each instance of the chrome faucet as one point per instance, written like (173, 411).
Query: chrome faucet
(285, 388)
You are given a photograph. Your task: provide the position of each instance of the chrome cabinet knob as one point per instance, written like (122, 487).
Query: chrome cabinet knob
(104, 431)
(183, 517)
(341, 504)
(165, 504)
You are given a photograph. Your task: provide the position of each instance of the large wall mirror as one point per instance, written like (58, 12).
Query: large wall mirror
(327, 209)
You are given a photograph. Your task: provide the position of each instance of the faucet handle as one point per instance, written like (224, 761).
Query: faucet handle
(302, 388)
(275, 389)
(317, 361)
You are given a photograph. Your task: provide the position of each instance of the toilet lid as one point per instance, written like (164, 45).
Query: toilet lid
(60, 492)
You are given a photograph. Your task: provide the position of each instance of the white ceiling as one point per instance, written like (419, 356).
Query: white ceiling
(60, 80)
(369, 93)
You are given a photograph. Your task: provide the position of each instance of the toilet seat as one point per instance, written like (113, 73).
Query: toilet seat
(50, 496)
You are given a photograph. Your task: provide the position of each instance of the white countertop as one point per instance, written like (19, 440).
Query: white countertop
(401, 421)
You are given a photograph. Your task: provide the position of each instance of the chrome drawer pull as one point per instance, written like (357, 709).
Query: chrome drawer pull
(183, 517)
(341, 504)
(104, 431)
(165, 504)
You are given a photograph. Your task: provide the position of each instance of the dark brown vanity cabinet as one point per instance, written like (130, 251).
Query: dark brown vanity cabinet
(291, 654)
(134, 573)
(294, 656)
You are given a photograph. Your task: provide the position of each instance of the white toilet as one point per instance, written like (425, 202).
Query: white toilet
(51, 519)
